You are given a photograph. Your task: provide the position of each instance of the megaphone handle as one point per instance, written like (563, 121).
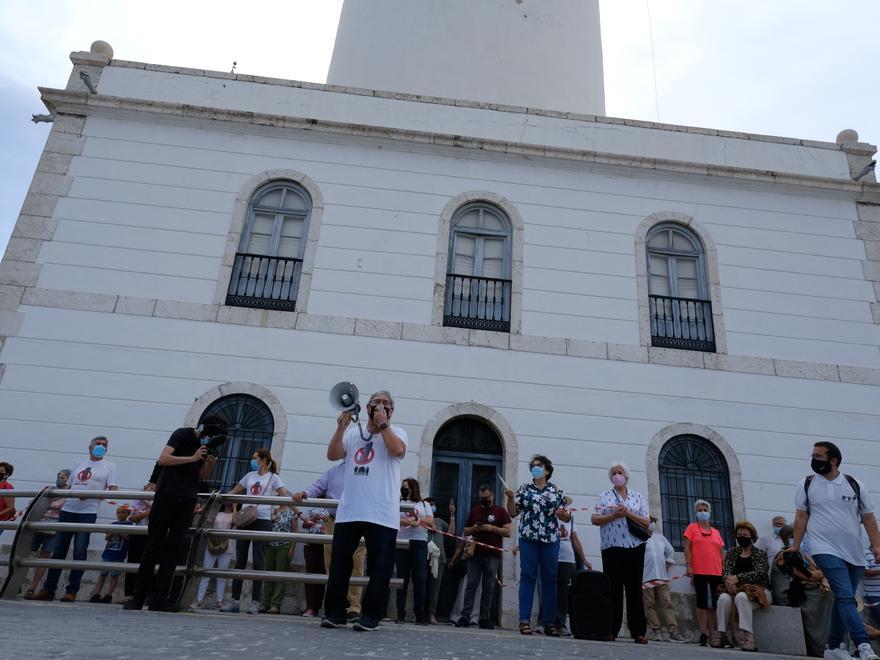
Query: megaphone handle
(357, 412)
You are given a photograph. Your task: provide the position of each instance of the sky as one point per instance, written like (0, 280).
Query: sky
(797, 68)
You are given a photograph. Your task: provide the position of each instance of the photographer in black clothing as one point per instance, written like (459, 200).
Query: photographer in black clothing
(188, 458)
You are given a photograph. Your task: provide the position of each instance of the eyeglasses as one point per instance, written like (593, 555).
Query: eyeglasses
(381, 402)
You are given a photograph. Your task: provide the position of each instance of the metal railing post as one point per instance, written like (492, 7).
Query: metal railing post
(197, 549)
(21, 544)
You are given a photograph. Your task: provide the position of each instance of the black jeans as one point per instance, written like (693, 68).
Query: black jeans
(564, 571)
(485, 568)
(412, 564)
(170, 519)
(241, 555)
(136, 547)
(380, 543)
(624, 567)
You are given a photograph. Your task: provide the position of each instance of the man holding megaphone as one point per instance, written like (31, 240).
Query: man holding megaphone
(370, 504)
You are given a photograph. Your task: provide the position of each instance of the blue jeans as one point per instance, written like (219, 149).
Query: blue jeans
(535, 556)
(844, 579)
(62, 544)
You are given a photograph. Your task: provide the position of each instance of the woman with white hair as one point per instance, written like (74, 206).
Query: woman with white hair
(622, 515)
(703, 553)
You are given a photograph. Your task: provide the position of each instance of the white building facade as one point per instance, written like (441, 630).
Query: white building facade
(700, 304)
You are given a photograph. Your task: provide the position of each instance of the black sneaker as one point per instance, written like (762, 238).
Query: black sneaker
(133, 604)
(485, 624)
(362, 625)
(163, 605)
(330, 623)
(462, 623)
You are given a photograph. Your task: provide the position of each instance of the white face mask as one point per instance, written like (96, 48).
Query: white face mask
(652, 526)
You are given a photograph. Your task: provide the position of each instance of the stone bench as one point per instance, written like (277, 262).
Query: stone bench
(780, 630)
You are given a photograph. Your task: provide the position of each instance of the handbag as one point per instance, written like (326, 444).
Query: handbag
(217, 545)
(641, 532)
(246, 517)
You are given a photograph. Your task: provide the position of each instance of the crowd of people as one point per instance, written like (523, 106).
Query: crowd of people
(816, 564)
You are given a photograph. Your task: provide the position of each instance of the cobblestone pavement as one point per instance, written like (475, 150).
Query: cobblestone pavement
(58, 630)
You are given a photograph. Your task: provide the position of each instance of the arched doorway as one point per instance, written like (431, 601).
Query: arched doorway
(467, 454)
(251, 426)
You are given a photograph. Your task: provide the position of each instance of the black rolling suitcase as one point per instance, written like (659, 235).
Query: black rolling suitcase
(589, 605)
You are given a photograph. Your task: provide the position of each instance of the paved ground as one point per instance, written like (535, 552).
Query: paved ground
(93, 632)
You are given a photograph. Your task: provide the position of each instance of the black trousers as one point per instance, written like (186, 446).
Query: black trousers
(624, 567)
(412, 565)
(136, 547)
(480, 568)
(380, 542)
(170, 519)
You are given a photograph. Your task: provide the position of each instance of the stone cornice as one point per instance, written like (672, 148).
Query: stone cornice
(83, 104)
(394, 330)
(463, 103)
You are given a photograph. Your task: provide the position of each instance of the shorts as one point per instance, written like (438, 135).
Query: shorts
(110, 573)
(42, 542)
(706, 587)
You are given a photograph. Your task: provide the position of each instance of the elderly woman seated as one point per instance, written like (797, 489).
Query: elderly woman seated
(745, 587)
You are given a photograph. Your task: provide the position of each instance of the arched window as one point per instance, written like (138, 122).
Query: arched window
(269, 261)
(478, 280)
(678, 289)
(692, 468)
(250, 427)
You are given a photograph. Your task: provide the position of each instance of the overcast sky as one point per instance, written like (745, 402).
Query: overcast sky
(798, 68)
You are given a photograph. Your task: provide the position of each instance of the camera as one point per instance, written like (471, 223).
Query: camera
(213, 445)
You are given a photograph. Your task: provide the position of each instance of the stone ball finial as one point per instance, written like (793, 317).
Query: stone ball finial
(102, 48)
(847, 135)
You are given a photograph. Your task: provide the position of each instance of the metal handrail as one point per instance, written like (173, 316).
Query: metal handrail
(31, 522)
(236, 574)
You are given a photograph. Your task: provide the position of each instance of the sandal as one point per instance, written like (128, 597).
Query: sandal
(551, 631)
(525, 629)
(716, 643)
(29, 594)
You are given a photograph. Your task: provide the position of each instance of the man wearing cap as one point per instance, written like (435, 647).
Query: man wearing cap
(96, 473)
(184, 462)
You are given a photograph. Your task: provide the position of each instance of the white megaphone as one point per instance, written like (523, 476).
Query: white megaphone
(344, 396)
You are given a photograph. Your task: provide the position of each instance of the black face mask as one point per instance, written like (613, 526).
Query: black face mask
(744, 541)
(820, 467)
(404, 492)
(485, 501)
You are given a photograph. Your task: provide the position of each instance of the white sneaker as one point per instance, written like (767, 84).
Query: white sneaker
(866, 652)
(253, 608)
(231, 606)
(840, 653)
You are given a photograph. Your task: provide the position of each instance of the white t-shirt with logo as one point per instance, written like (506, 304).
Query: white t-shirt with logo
(419, 511)
(265, 485)
(371, 477)
(90, 475)
(834, 527)
(566, 550)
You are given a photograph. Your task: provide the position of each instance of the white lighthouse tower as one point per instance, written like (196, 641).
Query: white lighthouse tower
(535, 53)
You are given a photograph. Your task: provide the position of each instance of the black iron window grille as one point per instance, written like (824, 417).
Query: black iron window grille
(480, 303)
(251, 427)
(684, 323)
(264, 282)
(691, 468)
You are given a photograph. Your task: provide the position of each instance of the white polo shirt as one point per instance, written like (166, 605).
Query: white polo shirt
(835, 524)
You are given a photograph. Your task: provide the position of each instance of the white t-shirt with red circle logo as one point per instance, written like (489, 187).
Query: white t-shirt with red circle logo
(90, 475)
(371, 478)
(566, 550)
(265, 485)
